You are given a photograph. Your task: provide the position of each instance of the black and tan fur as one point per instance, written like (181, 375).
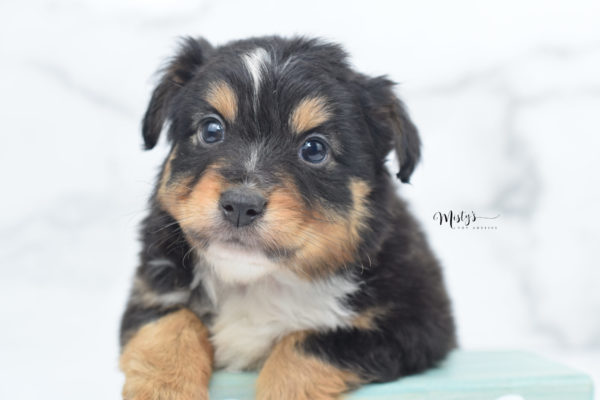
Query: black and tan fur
(335, 230)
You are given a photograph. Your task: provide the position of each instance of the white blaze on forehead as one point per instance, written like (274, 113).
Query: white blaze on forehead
(252, 160)
(255, 62)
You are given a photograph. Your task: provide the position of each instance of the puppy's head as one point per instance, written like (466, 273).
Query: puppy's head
(277, 149)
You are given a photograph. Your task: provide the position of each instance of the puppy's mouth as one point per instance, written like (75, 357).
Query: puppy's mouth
(240, 260)
(237, 265)
(247, 239)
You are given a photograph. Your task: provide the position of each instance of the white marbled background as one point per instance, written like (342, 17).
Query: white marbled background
(506, 95)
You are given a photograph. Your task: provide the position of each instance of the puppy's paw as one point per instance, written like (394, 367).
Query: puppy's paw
(138, 390)
(291, 374)
(163, 387)
(169, 359)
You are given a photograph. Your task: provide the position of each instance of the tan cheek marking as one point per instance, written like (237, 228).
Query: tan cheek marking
(192, 206)
(309, 113)
(288, 373)
(325, 240)
(339, 235)
(170, 358)
(222, 97)
(360, 191)
(166, 173)
(171, 192)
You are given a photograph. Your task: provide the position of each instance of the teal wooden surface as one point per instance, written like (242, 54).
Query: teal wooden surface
(464, 375)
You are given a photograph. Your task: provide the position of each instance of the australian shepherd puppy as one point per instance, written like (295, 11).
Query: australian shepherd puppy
(275, 239)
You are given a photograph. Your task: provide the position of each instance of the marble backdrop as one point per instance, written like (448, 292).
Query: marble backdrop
(507, 98)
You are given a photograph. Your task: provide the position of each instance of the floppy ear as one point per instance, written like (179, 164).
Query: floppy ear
(406, 140)
(393, 126)
(177, 73)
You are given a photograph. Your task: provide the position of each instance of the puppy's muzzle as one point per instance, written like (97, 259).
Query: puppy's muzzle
(241, 206)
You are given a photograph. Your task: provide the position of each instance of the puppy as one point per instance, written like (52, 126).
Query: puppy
(275, 240)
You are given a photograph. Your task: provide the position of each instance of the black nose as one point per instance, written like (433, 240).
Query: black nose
(241, 206)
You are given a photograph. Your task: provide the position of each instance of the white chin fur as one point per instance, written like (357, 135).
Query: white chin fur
(234, 264)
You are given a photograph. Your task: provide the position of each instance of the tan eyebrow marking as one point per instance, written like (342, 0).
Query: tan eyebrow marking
(222, 97)
(309, 113)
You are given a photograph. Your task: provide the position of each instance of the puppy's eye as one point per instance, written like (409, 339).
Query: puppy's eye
(212, 131)
(314, 151)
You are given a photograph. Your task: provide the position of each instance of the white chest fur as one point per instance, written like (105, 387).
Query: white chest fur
(250, 317)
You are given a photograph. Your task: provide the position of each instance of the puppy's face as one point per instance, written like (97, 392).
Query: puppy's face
(278, 147)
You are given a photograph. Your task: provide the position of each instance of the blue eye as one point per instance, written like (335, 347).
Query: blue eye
(314, 151)
(212, 131)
